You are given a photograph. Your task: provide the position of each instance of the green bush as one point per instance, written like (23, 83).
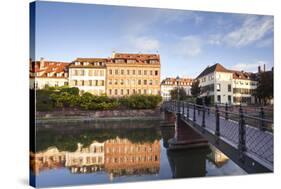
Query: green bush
(64, 97)
(44, 101)
(141, 101)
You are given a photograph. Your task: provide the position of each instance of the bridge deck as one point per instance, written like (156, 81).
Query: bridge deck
(259, 144)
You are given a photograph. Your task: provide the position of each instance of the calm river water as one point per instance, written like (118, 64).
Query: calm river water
(118, 151)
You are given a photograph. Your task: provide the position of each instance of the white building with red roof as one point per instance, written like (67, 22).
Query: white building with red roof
(48, 73)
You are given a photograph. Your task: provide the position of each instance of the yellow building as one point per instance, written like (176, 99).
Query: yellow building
(88, 74)
(129, 74)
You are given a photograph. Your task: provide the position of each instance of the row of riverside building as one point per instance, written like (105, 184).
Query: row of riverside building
(125, 74)
(120, 75)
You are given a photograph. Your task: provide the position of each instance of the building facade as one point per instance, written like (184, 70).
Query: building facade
(168, 84)
(129, 74)
(120, 75)
(227, 86)
(89, 75)
(47, 73)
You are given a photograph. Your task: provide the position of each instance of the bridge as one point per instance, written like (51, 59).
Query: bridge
(244, 136)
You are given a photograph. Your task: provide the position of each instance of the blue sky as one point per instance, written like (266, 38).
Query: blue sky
(187, 41)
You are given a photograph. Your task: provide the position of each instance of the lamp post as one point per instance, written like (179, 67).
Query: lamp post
(178, 109)
(178, 96)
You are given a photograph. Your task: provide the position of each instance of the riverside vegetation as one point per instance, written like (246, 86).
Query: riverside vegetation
(58, 98)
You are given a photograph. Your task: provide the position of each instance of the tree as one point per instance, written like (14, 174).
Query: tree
(264, 90)
(195, 88)
(174, 94)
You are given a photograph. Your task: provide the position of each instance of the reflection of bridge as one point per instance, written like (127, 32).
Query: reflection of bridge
(247, 140)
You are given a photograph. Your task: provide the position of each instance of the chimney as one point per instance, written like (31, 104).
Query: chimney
(113, 54)
(42, 63)
(264, 67)
(259, 69)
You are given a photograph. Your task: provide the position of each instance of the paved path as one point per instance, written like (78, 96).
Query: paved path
(259, 144)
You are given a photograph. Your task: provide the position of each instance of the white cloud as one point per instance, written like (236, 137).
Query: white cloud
(144, 43)
(265, 43)
(189, 46)
(252, 67)
(252, 29)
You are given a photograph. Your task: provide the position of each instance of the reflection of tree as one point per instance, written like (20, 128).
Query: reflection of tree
(188, 162)
(66, 137)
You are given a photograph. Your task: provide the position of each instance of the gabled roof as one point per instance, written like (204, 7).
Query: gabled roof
(214, 68)
(243, 75)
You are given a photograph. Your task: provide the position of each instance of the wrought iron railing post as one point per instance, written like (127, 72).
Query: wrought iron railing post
(217, 132)
(187, 110)
(262, 125)
(194, 113)
(203, 117)
(242, 134)
(226, 111)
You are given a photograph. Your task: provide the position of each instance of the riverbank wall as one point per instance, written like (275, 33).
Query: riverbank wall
(79, 115)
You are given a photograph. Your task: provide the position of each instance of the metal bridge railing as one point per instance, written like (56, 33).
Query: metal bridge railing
(248, 133)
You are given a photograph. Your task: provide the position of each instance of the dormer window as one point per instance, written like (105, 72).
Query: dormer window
(77, 63)
(49, 74)
(59, 74)
(86, 63)
(53, 69)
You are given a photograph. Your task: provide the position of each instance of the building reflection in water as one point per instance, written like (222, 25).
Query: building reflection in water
(116, 156)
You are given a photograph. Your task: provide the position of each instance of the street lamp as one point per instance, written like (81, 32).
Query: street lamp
(178, 92)
(178, 109)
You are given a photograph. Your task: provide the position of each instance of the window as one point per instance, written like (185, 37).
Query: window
(134, 72)
(110, 82)
(102, 82)
(218, 87)
(90, 73)
(139, 82)
(144, 91)
(156, 72)
(144, 72)
(145, 82)
(229, 87)
(150, 82)
(116, 82)
(83, 82)
(75, 82)
(110, 72)
(128, 91)
(122, 82)
(139, 72)
(101, 73)
(115, 92)
(110, 91)
(219, 98)
(156, 82)
(96, 73)
(121, 91)
(151, 72)
(116, 72)
(139, 91)
(122, 72)
(90, 82)
(128, 72)
(229, 99)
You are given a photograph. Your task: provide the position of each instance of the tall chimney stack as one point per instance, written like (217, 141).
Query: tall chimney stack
(42, 63)
(264, 67)
(259, 69)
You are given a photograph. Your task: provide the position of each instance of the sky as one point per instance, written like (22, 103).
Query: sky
(187, 41)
